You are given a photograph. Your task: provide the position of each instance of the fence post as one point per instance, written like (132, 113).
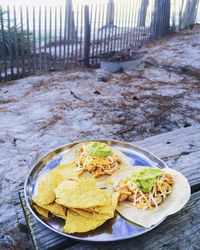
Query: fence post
(86, 36)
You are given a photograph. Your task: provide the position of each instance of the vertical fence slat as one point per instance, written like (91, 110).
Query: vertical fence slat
(81, 33)
(68, 33)
(129, 24)
(98, 41)
(34, 42)
(50, 35)
(55, 36)
(132, 9)
(119, 28)
(9, 42)
(22, 41)
(115, 33)
(101, 29)
(72, 36)
(91, 8)
(65, 31)
(28, 40)
(45, 38)
(77, 41)
(60, 36)
(39, 38)
(94, 34)
(10, 50)
(125, 25)
(122, 27)
(86, 36)
(135, 32)
(16, 41)
(3, 43)
(109, 30)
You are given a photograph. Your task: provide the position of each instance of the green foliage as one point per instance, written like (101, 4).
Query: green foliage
(13, 41)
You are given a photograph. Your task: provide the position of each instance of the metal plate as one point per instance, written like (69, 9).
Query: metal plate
(114, 229)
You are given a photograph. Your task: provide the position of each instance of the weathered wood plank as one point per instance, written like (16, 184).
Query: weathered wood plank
(180, 231)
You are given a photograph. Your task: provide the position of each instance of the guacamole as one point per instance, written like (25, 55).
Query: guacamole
(98, 149)
(146, 178)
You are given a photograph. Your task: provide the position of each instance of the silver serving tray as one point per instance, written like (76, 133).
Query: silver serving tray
(114, 229)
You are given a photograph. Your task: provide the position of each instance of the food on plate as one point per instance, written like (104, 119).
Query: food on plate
(80, 202)
(48, 182)
(80, 224)
(41, 211)
(96, 158)
(54, 208)
(83, 220)
(146, 189)
(80, 194)
(73, 190)
(148, 195)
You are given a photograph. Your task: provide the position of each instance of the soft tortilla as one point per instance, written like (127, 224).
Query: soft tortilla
(174, 202)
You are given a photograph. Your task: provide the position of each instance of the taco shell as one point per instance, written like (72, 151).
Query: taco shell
(174, 202)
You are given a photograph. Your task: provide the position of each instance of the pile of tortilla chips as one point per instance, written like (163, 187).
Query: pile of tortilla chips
(80, 202)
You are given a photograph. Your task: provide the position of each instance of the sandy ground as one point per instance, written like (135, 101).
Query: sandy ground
(40, 113)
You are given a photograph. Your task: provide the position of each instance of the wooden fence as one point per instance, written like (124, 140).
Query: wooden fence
(41, 39)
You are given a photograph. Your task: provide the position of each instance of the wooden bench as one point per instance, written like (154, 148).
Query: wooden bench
(180, 149)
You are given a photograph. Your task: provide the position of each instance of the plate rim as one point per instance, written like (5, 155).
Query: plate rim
(71, 144)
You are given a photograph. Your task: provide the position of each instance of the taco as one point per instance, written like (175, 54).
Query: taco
(96, 158)
(148, 195)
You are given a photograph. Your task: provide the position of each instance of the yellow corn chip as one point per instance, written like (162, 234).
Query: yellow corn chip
(81, 194)
(77, 223)
(41, 211)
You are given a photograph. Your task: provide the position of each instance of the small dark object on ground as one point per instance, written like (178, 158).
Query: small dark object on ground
(96, 92)
(103, 79)
(135, 98)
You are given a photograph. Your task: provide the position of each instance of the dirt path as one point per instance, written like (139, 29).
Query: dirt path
(40, 113)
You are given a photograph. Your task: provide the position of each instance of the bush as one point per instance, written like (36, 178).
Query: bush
(16, 37)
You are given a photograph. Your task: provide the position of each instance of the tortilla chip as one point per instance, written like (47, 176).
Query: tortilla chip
(82, 194)
(115, 196)
(41, 211)
(108, 209)
(48, 182)
(54, 208)
(174, 202)
(46, 185)
(92, 215)
(68, 171)
(79, 224)
(99, 213)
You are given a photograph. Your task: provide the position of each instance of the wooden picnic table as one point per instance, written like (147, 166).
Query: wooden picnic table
(180, 149)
